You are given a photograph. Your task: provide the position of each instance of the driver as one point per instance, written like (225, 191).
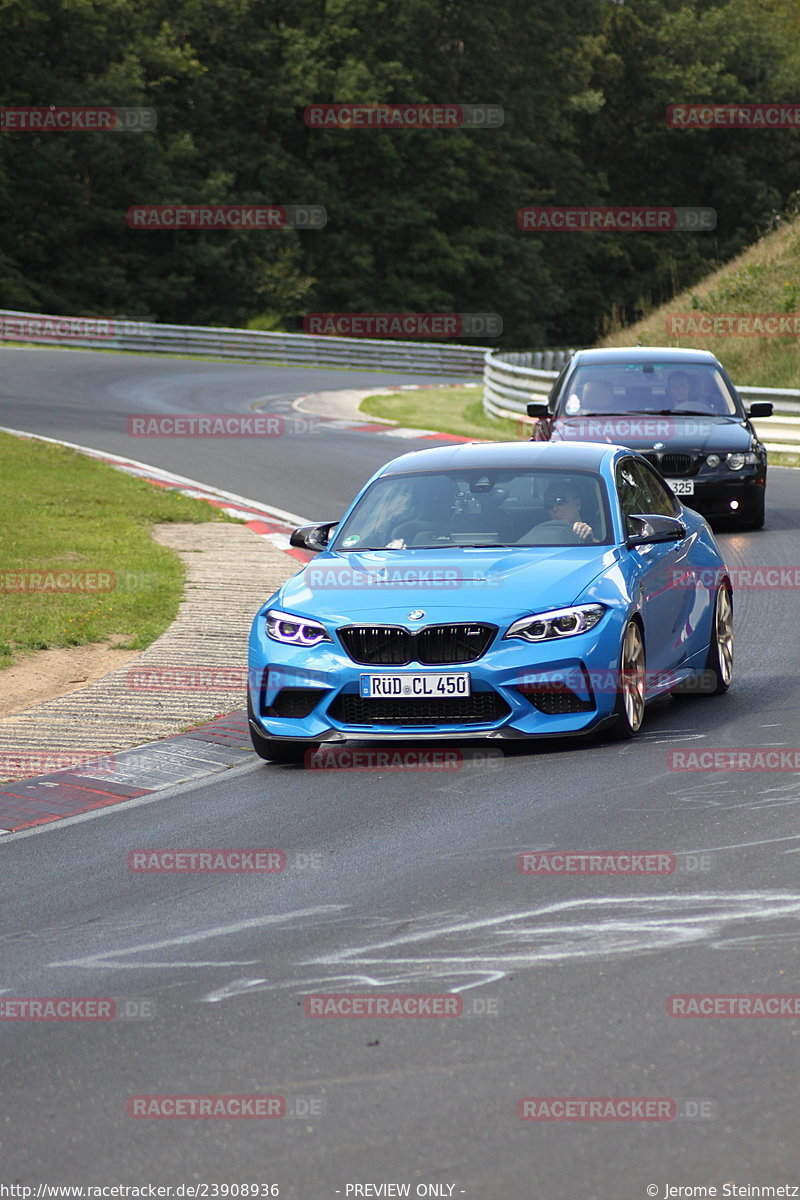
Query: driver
(563, 505)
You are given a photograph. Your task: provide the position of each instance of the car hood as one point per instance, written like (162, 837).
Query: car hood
(642, 431)
(447, 584)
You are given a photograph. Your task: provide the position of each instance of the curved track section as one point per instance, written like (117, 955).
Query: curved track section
(407, 882)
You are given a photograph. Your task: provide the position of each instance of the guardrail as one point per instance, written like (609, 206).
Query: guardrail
(512, 378)
(246, 345)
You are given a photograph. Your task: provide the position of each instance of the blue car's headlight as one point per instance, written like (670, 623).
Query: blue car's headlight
(295, 631)
(564, 622)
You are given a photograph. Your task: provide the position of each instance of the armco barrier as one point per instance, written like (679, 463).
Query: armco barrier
(244, 344)
(512, 378)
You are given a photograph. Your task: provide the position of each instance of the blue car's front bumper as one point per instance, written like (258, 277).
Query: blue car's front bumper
(313, 694)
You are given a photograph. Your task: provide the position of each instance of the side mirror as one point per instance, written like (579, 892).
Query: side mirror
(760, 408)
(650, 528)
(538, 408)
(313, 537)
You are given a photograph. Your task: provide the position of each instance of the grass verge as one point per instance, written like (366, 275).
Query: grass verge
(445, 409)
(64, 512)
(764, 279)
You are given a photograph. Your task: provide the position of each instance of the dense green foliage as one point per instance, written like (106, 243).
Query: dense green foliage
(417, 220)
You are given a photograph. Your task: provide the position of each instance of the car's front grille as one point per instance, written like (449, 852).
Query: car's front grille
(294, 702)
(674, 464)
(435, 645)
(481, 708)
(555, 698)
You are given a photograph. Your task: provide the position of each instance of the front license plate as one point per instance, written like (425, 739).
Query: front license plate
(682, 487)
(412, 687)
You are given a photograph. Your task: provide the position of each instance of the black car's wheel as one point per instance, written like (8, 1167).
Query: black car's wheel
(629, 709)
(755, 518)
(279, 750)
(719, 664)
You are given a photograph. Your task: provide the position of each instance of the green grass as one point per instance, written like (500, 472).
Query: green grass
(781, 458)
(63, 511)
(765, 278)
(445, 409)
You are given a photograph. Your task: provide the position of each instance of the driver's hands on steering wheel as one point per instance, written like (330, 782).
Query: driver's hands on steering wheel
(583, 530)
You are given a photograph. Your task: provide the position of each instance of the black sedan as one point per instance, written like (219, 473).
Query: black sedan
(679, 409)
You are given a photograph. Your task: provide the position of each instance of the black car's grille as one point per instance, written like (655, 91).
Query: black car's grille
(674, 464)
(294, 702)
(555, 699)
(436, 645)
(481, 708)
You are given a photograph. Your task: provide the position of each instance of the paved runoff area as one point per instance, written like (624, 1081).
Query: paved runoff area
(80, 747)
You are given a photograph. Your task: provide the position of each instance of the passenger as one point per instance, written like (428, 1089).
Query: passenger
(598, 397)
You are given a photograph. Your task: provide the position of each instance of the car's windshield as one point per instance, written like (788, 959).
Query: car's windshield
(690, 389)
(495, 507)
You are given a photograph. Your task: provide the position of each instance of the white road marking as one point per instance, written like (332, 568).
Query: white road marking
(106, 958)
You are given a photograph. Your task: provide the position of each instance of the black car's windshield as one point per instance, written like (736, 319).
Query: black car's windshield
(476, 508)
(668, 389)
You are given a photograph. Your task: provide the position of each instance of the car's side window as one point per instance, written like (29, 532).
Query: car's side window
(661, 499)
(556, 388)
(633, 497)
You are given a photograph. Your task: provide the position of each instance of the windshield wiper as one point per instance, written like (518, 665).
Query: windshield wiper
(689, 412)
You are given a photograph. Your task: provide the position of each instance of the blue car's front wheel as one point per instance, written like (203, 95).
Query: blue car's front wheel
(631, 683)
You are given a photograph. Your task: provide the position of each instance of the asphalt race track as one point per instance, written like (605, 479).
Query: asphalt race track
(407, 882)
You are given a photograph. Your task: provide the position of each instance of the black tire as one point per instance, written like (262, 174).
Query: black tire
(757, 515)
(629, 709)
(279, 750)
(719, 664)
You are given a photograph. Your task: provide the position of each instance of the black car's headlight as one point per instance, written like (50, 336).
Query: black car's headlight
(564, 622)
(736, 461)
(295, 631)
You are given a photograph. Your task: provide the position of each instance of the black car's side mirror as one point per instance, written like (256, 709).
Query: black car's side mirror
(313, 537)
(538, 408)
(652, 527)
(760, 408)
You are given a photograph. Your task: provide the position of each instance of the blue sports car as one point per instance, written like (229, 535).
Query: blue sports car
(498, 590)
